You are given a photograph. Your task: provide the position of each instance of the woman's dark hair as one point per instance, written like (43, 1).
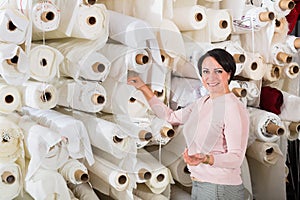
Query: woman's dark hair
(224, 58)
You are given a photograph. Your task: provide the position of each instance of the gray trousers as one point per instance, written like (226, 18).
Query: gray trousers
(210, 191)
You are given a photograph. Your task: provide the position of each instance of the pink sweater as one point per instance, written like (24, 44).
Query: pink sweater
(225, 120)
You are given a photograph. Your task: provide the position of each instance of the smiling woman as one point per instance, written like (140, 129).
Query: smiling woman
(215, 128)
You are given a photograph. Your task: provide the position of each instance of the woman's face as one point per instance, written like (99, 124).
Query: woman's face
(214, 77)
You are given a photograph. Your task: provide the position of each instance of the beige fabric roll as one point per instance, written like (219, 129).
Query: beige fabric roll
(273, 72)
(254, 66)
(11, 183)
(74, 172)
(162, 131)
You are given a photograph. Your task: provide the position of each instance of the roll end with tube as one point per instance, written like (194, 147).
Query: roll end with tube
(144, 174)
(47, 16)
(274, 129)
(8, 177)
(266, 16)
(297, 43)
(167, 132)
(294, 127)
(13, 61)
(98, 67)
(122, 180)
(286, 4)
(141, 59)
(98, 99)
(145, 135)
(81, 176)
(284, 57)
(239, 58)
(276, 72)
(294, 69)
(89, 2)
(239, 92)
(223, 24)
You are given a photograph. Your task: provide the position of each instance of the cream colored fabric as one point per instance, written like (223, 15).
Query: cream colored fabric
(68, 171)
(236, 7)
(254, 66)
(10, 190)
(10, 98)
(83, 191)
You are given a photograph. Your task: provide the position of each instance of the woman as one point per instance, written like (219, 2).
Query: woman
(215, 128)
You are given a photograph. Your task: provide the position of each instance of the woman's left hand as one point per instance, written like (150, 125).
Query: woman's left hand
(193, 160)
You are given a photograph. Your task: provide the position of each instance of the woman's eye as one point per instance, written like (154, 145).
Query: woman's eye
(219, 71)
(205, 71)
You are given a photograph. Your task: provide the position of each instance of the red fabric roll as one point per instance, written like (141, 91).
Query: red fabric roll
(271, 99)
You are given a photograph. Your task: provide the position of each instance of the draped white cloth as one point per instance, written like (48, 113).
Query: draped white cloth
(79, 145)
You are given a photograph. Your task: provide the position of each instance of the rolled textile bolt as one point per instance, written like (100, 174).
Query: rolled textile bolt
(297, 43)
(89, 2)
(145, 135)
(81, 176)
(8, 177)
(47, 16)
(239, 92)
(98, 99)
(122, 179)
(266, 16)
(116, 139)
(294, 69)
(141, 59)
(144, 174)
(274, 129)
(294, 127)
(287, 4)
(11, 26)
(46, 96)
(13, 61)
(98, 67)
(223, 24)
(276, 72)
(239, 58)
(167, 132)
(284, 57)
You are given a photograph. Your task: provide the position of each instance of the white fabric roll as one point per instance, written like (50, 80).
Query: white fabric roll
(162, 131)
(45, 16)
(266, 153)
(102, 135)
(291, 70)
(82, 95)
(290, 109)
(273, 5)
(275, 50)
(11, 147)
(133, 102)
(290, 40)
(109, 173)
(259, 119)
(13, 189)
(13, 64)
(79, 145)
(10, 98)
(161, 176)
(39, 95)
(218, 30)
(272, 73)
(236, 7)
(44, 62)
(69, 170)
(254, 66)
(124, 58)
(190, 18)
(82, 62)
(47, 184)
(46, 148)
(253, 92)
(13, 26)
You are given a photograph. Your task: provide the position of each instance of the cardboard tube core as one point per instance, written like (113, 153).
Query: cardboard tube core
(275, 72)
(145, 135)
(266, 16)
(141, 59)
(167, 132)
(116, 139)
(239, 92)
(11, 26)
(98, 99)
(8, 177)
(286, 4)
(294, 127)
(239, 58)
(144, 174)
(294, 69)
(81, 176)
(47, 16)
(91, 21)
(46, 96)
(223, 24)
(9, 98)
(254, 66)
(284, 57)
(13, 61)
(89, 2)
(98, 67)
(160, 177)
(274, 129)
(297, 43)
(198, 17)
(122, 179)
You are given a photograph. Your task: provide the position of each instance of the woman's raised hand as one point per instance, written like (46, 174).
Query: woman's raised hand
(136, 81)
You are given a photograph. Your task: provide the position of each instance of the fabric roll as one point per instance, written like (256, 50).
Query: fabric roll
(236, 7)
(14, 64)
(10, 98)
(279, 56)
(254, 66)
(46, 148)
(74, 172)
(266, 153)
(219, 23)
(291, 70)
(83, 191)
(273, 72)
(292, 130)
(106, 135)
(176, 165)
(253, 92)
(109, 173)
(161, 176)
(238, 91)
(259, 119)
(45, 16)
(290, 107)
(11, 182)
(82, 95)
(290, 41)
(136, 128)
(44, 62)
(39, 95)
(13, 26)
(251, 19)
(276, 6)
(124, 58)
(11, 147)
(47, 184)
(79, 145)
(190, 18)
(82, 62)
(133, 103)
